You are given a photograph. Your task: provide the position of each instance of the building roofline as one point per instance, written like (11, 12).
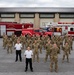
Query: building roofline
(38, 9)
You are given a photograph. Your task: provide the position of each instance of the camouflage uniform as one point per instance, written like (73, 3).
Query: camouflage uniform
(9, 45)
(33, 38)
(40, 44)
(66, 38)
(70, 44)
(35, 51)
(13, 38)
(5, 41)
(71, 38)
(61, 41)
(58, 42)
(54, 58)
(23, 40)
(28, 42)
(48, 49)
(52, 39)
(28, 36)
(66, 49)
(43, 40)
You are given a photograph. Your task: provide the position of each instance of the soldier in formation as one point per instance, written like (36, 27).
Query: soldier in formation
(66, 52)
(36, 50)
(13, 38)
(54, 57)
(52, 46)
(5, 38)
(48, 49)
(9, 45)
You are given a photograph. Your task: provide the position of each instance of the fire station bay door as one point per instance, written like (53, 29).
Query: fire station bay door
(2, 30)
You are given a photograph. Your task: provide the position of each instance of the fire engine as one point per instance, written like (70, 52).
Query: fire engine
(67, 28)
(27, 28)
(31, 31)
(71, 30)
(47, 31)
(62, 28)
(12, 27)
(18, 29)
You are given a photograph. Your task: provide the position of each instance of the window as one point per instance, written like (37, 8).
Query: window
(7, 15)
(47, 15)
(27, 15)
(66, 15)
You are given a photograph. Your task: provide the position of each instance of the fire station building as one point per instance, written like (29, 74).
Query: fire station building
(39, 16)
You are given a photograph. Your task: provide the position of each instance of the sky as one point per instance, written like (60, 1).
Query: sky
(36, 3)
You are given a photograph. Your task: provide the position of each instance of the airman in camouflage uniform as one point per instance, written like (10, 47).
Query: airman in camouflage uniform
(33, 38)
(5, 41)
(28, 36)
(66, 38)
(61, 41)
(54, 57)
(43, 40)
(48, 40)
(66, 49)
(40, 44)
(71, 38)
(9, 45)
(48, 49)
(23, 40)
(35, 50)
(13, 38)
(70, 44)
(28, 42)
(52, 39)
(58, 42)
(36, 37)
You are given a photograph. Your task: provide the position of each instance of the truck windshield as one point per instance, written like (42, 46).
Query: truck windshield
(57, 29)
(36, 30)
(71, 29)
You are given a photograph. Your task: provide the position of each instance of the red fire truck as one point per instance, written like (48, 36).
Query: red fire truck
(10, 27)
(17, 28)
(31, 31)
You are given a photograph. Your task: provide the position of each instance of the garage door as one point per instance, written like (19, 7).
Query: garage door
(43, 22)
(27, 21)
(8, 20)
(2, 29)
(66, 20)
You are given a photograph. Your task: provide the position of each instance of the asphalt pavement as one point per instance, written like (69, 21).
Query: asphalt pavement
(8, 66)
